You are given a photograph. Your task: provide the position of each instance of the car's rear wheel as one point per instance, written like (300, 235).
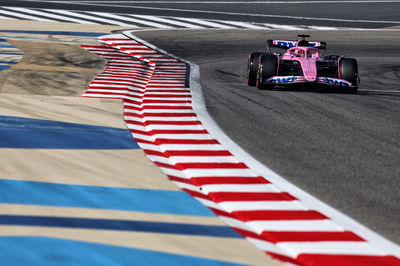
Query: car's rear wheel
(267, 67)
(348, 70)
(252, 68)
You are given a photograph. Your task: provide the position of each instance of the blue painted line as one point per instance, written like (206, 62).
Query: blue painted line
(8, 53)
(68, 33)
(6, 46)
(2, 67)
(19, 132)
(77, 196)
(120, 225)
(46, 251)
(8, 62)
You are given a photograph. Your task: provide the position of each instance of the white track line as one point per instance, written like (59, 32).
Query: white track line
(75, 14)
(169, 21)
(135, 20)
(243, 25)
(22, 16)
(52, 16)
(213, 24)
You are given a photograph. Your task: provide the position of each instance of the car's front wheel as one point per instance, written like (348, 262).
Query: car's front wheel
(348, 70)
(267, 68)
(252, 68)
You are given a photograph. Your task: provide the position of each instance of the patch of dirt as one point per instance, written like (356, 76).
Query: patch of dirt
(49, 68)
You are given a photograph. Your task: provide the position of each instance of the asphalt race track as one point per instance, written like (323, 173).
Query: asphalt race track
(342, 13)
(342, 148)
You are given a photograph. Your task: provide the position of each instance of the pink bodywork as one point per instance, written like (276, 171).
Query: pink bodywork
(307, 57)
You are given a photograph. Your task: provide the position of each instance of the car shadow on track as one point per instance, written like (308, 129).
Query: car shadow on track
(311, 89)
(393, 94)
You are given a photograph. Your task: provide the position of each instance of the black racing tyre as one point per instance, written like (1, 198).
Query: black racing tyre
(267, 67)
(252, 68)
(348, 70)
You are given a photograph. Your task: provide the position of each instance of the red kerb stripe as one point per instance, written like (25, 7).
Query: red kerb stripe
(246, 233)
(186, 141)
(156, 107)
(198, 153)
(288, 259)
(250, 196)
(169, 114)
(179, 179)
(177, 123)
(263, 215)
(166, 101)
(167, 95)
(196, 194)
(347, 260)
(183, 166)
(228, 180)
(155, 132)
(221, 213)
(276, 237)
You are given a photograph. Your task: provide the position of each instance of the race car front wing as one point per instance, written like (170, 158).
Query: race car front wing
(283, 80)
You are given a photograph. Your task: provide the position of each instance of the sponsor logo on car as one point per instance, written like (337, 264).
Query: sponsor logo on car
(286, 43)
(335, 82)
(315, 44)
(282, 79)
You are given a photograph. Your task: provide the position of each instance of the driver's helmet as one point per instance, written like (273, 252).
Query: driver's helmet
(299, 53)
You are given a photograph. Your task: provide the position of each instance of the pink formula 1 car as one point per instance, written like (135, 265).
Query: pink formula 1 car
(301, 63)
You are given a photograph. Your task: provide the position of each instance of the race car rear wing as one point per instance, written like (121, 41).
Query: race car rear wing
(288, 44)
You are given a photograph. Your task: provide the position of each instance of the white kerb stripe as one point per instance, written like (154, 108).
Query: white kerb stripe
(239, 188)
(202, 159)
(211, 204)
(262, 205)
(173, 172)
(218, 172)
(150, 138)
(181, 136)
(159, 159)
(149, 111)
(332, 247)
(155, 127)
(188, 186)
(267, 246)
(236, 223)
(104, 90)
(185, 147)
(297, 226)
